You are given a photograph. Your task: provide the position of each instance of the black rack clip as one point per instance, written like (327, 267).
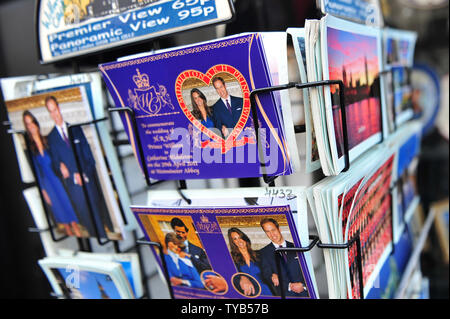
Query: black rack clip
(153, 244)
(7, 124)
(128, 111)
(179, 190)
(38, 230)
(73, 143)
(316, 242)
(299, 128)
(140, 154)
(354, 240)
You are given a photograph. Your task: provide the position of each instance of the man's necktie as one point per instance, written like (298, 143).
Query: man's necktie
(228, 106)
(283, 254)
(65, 138)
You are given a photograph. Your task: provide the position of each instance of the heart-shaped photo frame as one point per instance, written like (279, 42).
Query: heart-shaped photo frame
(217, 103)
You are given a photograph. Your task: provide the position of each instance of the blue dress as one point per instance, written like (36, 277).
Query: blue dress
(61, 206)
(208, 123)
(183, 271)
(254, 271)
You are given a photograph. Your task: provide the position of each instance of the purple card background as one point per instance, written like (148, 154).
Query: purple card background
(243, 53)
(216, 248)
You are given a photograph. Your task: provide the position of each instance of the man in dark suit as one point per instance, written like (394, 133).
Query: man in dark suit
(196, 254)
(227, 110)
(292, 276)
(65, 166)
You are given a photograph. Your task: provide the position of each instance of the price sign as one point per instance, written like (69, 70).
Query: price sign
(69, 28)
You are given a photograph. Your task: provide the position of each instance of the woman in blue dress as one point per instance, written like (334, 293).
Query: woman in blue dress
(53, 191)
(200, 109)
(247, 261)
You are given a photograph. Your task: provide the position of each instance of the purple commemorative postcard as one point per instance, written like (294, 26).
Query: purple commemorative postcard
(225, 253)
(193, 110)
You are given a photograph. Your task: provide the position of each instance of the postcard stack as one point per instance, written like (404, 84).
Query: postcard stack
(94, 276)
(371, 203)
(339, 50)
(366, 202)
(196, 119)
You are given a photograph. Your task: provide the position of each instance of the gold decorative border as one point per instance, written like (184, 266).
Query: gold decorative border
(206, 47)
(251, 210)
(245, 275)
(207, 78)
(26, 103)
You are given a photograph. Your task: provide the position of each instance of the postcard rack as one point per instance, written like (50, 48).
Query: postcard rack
(269, 180)
(314, 242)
(84, 244)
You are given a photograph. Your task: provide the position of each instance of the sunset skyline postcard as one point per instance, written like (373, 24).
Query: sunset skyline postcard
(353, 59)
(350, 52)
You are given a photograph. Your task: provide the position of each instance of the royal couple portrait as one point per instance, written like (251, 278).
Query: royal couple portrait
(60, 180)
(188, 265)
(260, 265)
(223, 115)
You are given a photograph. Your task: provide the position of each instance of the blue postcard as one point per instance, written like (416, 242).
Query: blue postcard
(80, 278)
(361, 11)
(398, 56)
(193, 109)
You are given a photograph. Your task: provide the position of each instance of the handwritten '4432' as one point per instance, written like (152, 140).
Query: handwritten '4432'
(279, 193)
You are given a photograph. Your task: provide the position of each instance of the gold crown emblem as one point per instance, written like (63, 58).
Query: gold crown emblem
(141, 80)
(204, 219)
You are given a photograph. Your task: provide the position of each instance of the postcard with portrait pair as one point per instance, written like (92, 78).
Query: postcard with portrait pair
(214, 249)
(194, 113)
(66, 158)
